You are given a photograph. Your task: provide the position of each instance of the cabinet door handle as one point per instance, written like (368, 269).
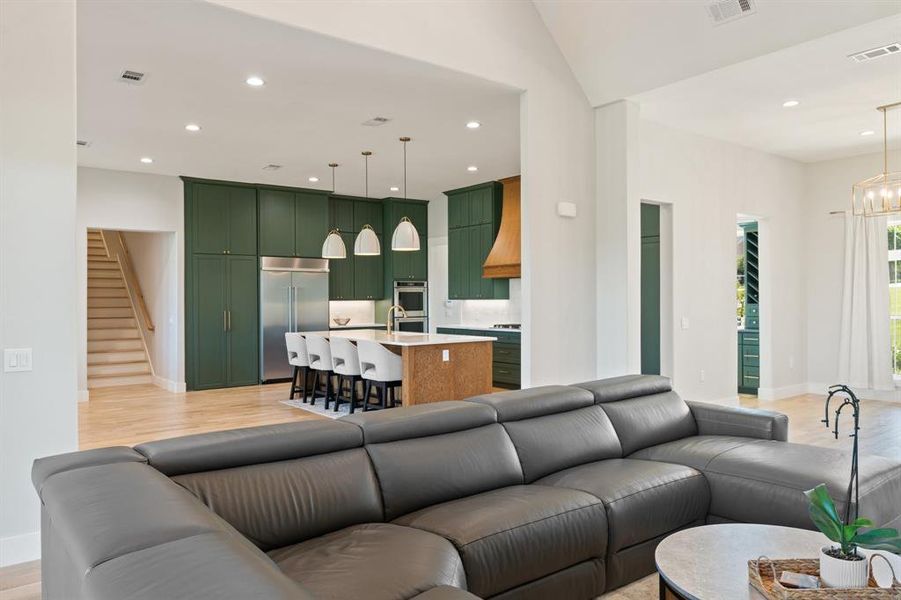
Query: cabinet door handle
(224, 320)
(752, 356)
(229, 320)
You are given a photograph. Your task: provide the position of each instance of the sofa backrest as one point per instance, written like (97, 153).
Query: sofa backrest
(304, 479)
(643, 409)
(432, 453)
(554, 428)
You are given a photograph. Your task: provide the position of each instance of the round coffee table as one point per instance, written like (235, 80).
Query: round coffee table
(711, 562)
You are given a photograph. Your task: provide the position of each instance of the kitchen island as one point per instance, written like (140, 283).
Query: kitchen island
(436, 366)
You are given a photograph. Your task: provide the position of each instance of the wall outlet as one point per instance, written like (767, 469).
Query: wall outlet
(684, 322)
(16, 359)
(791, 362)
(445, 355)
(703, 376)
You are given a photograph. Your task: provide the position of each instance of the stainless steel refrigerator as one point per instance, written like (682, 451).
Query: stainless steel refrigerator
(293, 297)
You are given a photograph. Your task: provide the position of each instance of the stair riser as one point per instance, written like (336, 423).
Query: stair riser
(116, 381)
(122, 312)
(129, 333)
(119, 369)
(102, 292)
(103, 265)
(121, 302)
(104, 274)
(94, 282)
(110, 358)
(114, 345)
(111, 324)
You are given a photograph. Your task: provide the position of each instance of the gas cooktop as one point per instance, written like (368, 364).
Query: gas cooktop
(506, 326)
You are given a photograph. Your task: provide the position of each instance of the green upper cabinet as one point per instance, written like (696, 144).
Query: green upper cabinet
(367, 272)
(341, 272)
(292, 223)
(405, 265)
(473, 215)
(368, 212)
(277, 222)
(341, 213)
(223, 219)
(311, 223)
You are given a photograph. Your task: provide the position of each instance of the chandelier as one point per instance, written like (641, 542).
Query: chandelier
(879, 195)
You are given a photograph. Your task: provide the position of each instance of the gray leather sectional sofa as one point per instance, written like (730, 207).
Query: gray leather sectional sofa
(553, 492)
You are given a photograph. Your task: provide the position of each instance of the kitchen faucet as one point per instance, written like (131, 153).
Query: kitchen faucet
(394, 307)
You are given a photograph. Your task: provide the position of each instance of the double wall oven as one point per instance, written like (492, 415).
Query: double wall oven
(413, 296)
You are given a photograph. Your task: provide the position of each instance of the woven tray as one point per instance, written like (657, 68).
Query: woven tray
(764, 573)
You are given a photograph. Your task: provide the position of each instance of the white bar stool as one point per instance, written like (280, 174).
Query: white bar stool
(382, 368)
(320, 353)
(346, 365)
(300, 360)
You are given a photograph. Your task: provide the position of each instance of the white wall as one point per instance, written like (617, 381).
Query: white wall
(37, 255)
(154, 257)
(505, 42)
(828, 188)
(708, 183)
(127, 201)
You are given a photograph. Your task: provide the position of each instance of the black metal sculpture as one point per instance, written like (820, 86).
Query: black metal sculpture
(848, 399)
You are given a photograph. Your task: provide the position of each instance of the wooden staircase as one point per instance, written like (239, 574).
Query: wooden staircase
(116, 352)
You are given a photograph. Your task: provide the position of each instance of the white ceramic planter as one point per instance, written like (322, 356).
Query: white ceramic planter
(837, 573)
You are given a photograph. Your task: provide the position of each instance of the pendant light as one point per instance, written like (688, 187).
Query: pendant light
(879, 195)
(333, 247)
(367, 242)
(405, 237)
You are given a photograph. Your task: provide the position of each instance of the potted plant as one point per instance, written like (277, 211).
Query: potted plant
(841, 565)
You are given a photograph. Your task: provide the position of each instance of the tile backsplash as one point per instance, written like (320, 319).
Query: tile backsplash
(359, 311)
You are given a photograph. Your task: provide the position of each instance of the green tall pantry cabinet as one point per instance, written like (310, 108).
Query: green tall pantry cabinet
(221, 291)
(473, 219)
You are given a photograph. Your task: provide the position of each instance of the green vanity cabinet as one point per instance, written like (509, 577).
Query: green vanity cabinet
(292, 222)
(222, 218)
(474, 216)
(223, 332)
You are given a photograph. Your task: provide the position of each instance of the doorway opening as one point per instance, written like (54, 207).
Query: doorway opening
(747, 306)
(650, 289)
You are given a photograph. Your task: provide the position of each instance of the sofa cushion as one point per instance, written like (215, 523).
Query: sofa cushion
(377, 561)
(696, 451)
(614, 389)
(584, 580)
(418, 472)
(764, 482)
(281, 503)
(516, 405)
(644, 499)
(650, 420)
(514, 535)
(420, 420)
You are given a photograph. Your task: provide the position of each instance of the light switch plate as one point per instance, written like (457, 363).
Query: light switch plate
(16, 359)
(684, 322)
(445, 355)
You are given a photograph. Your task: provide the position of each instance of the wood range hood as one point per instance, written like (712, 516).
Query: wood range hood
(505, 259)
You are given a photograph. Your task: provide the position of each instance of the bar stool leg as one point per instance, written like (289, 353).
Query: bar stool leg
(367, 390)
(342, 379)
(305, 375)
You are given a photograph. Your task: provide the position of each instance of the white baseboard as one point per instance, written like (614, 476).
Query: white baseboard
(779, 393)
(20, 548)
(862, 393)
(169, 385)
(84, 395)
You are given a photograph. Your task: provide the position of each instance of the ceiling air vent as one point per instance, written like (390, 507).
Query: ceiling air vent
(82, 143)
(272, 167)
(376, 121)
(132, 77)
(894, 48)
(724, 11)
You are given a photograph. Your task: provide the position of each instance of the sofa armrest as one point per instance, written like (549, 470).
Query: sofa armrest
(715, 419)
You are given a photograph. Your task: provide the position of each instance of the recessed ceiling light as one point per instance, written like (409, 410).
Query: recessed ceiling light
(473, 125)
(146, 160)
(790, 103)
(394, 188)
(472, 168)
(312, 179)
(192, 127)
(867, 132)
(254, 81)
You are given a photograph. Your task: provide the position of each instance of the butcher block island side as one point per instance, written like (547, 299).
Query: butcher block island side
(436, 366)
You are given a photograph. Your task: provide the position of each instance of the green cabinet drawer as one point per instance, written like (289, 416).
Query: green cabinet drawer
(752, 322)
(505, 352)
(752, 310)
(750, 339)
(750, 360)
(751, 374)
(505, 373)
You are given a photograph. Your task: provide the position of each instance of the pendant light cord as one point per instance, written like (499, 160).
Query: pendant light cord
(405, 170)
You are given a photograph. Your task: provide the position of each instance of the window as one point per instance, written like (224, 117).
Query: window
(894, 288)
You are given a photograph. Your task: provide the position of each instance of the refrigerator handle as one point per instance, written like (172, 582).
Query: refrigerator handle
(288, 290)
(294, 309)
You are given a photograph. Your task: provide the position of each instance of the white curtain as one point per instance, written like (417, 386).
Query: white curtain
(865, 357)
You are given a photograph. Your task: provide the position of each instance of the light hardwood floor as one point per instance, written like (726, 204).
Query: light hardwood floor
(135, 414)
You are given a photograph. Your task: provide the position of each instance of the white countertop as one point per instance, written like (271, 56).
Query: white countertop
(401, 338)
(480, 328)
(353, 325)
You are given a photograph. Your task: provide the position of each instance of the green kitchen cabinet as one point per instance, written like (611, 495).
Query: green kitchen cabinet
(277, 222)
(341, 272)
(506, 351)
(405, 265)
(341, 213)
(749, 336)
(293, 222)
(224, 329)
(223, 218)
(367, 281)
(368, 212)
(474, 215)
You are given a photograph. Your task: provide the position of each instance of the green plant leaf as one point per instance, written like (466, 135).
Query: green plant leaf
(861, 522)
(820, 497)
(879, 539)
(824, 515)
